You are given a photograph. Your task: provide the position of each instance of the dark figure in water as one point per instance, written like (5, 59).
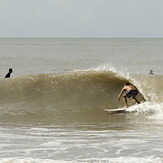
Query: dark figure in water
(9, 73)
(151, 72)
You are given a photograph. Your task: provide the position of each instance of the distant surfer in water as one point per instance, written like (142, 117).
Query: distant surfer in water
(129, 91)
(9, 73)
(151, 72)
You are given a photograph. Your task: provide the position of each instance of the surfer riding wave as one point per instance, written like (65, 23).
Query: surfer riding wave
(130, 91)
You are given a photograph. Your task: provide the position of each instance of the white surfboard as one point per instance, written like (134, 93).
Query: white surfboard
(130, 109)
(116, 110)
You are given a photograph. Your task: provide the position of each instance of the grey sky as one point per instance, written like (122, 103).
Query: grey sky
(81, 18)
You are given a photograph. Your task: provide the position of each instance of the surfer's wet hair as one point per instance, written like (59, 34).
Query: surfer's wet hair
(127, 84)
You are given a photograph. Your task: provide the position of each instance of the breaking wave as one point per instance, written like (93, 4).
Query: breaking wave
(79, 92)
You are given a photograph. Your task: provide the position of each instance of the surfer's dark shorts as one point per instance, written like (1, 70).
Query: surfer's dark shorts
(132, 93)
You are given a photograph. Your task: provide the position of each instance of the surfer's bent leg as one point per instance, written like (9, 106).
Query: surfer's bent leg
(136, 100)
(134, 94)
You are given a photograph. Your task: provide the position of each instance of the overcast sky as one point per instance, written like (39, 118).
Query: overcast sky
(81, 18)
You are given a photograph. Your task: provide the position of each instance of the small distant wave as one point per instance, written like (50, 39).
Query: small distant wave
(89, 91)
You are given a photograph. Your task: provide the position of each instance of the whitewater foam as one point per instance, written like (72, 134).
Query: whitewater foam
(151, 159)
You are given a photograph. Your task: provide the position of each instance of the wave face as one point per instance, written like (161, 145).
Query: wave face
(73, 93)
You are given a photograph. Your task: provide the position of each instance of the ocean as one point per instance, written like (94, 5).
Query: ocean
(52, 109)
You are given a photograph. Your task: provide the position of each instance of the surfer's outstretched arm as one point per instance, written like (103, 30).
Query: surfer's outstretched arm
(119, 96)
